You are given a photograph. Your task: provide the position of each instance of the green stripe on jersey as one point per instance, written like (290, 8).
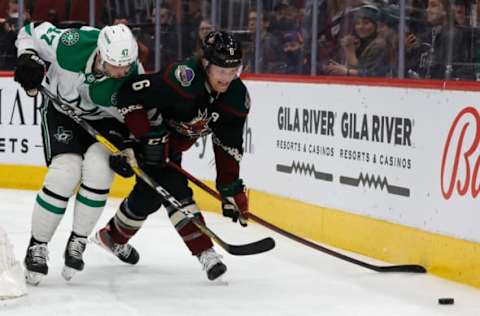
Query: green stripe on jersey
(90, 202)
(49, 207)
(28, 29)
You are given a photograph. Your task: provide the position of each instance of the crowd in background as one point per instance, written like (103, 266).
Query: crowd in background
(321, 37)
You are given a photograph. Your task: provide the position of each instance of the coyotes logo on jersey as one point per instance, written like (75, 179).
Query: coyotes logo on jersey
(197, 127)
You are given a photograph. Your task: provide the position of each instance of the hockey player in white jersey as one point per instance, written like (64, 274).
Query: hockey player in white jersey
(86, 68)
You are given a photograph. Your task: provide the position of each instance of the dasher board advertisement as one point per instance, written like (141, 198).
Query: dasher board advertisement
(408, 156)
(20, 132)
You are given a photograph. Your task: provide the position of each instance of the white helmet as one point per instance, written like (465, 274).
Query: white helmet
(117, 45)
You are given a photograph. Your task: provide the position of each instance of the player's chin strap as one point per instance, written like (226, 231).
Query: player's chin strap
(412, 268)
(244, 249)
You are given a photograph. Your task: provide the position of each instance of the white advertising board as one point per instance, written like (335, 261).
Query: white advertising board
(408, 156)
(20, 132)
(376, 151)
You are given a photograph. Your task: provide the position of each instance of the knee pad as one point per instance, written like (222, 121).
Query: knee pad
(96, 172)
(64, 174)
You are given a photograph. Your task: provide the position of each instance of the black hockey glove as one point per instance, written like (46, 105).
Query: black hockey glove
(29, 72)
(154, 147)
(121, 161)
(235, 204)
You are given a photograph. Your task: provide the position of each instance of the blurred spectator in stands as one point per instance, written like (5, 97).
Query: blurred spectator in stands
(387, 28)
(269, 46)
(337, 23)
(8, 35)
(415, 11)
(168, 38)
(143, 50)
(8, 51)
(388, 25)
(120, 19)
(444, 51)
(287, 18)
(203, 29)
(284, 19)
(11, 14)
(52, 17)
(190, 20)
(252, 21)
(194, 10)
(460, 12)
(12, 9)
(293, 49)
(364, 50)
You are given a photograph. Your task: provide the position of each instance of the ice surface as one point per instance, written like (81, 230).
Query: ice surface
(289, 280)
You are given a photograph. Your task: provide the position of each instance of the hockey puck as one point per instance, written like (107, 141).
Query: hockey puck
(446, 301)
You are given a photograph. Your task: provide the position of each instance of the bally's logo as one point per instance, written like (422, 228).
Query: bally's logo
(461, 156)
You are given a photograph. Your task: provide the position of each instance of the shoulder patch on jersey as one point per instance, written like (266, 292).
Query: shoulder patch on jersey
(75, 48)
(184, 75)
(70, 37)
(90, 77)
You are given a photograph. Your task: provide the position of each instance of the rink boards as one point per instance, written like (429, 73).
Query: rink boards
(388, 171)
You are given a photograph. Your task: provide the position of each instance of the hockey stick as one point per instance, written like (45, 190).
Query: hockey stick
(238, 250)
(412, 268)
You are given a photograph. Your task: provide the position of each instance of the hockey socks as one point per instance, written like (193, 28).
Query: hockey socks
(115, 235)
(195, 240)
(89, 205)
(124, 225)
(47, 213)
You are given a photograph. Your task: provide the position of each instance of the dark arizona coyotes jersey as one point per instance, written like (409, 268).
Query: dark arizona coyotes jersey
(189, 110)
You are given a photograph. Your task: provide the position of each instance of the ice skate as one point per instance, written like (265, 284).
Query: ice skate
(212, 264)
(36, 263)
(74, 256)
(124, 252)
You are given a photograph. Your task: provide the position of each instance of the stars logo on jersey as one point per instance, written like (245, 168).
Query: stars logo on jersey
(89, 78)
(70, 38)
(114, 98)
(184, 75)
(63, 135)
(196, 127)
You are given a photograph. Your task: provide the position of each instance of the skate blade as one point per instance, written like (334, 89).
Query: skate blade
(33, 278)
(68, 273)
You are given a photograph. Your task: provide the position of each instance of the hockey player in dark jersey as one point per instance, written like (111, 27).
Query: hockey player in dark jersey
(198, 97)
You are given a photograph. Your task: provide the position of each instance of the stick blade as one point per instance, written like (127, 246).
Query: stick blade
(253, 248)
(409, 268)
